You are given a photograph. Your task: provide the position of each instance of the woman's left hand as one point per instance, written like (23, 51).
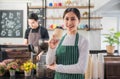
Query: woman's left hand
(53, 66)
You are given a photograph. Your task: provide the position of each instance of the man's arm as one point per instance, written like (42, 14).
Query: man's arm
(44, 34)
(26, 36)
(25, 41)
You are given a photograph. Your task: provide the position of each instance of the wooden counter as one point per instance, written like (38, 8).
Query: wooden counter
(112, 67)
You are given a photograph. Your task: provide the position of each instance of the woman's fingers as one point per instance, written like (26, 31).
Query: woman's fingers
(53, 42)
(51, 66)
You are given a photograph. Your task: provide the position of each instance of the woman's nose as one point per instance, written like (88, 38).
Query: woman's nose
(69, 22)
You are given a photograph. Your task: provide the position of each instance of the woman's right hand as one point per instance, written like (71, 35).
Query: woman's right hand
(53, 42)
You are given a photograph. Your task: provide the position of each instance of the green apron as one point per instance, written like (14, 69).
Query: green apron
(68, 55)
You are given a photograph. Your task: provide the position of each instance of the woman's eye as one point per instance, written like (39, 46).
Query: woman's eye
(67, 19)
(72, 19)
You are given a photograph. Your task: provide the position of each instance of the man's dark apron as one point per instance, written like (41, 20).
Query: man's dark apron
(33, 38)
(68, 55)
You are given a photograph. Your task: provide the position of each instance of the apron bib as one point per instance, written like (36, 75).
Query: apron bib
(68, 55)
(33, 38)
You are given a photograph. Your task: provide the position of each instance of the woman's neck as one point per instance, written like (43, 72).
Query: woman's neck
(72, 33)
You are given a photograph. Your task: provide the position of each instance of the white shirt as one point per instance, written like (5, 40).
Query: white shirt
(81, 65)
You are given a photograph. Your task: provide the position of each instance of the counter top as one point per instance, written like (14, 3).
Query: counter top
(18, 77)
(21, 76)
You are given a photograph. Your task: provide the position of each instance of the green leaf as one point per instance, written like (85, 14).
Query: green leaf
(112, 38)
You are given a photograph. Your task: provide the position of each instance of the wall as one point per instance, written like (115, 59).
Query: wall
(15, 6)
(93, 36)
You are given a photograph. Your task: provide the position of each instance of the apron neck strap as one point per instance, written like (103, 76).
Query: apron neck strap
(76, 39)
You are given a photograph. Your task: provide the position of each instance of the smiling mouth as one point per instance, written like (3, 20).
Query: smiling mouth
(70, 27)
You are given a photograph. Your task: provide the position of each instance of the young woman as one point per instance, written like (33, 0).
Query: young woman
(69, 56)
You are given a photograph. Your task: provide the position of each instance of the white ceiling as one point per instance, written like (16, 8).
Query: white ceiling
(99, 3)
(109, 8)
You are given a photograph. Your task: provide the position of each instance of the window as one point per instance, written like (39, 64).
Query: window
(107, 23)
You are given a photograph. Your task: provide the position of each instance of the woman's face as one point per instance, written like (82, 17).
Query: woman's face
(33, 23)
(71, 22)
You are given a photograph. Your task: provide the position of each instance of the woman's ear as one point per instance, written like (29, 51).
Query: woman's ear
(79, 21)
(38, 21)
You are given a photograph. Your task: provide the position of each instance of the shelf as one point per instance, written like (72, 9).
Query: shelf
(61, 7)
(54, 18)
(50, 29)
(87, 29)
(96, 28)
(91, 17)
(64, 7)
(35, 7)
(84, 29)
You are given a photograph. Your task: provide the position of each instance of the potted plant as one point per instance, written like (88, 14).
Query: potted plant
(27, 67)
(2, 68)
(12, 67)
(111, 38)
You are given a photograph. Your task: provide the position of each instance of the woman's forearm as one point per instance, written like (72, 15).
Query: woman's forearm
(50, 57)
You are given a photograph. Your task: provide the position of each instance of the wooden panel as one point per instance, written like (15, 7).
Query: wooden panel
(17, 52)
(113, 77)
(112, 58)
(112, 67)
